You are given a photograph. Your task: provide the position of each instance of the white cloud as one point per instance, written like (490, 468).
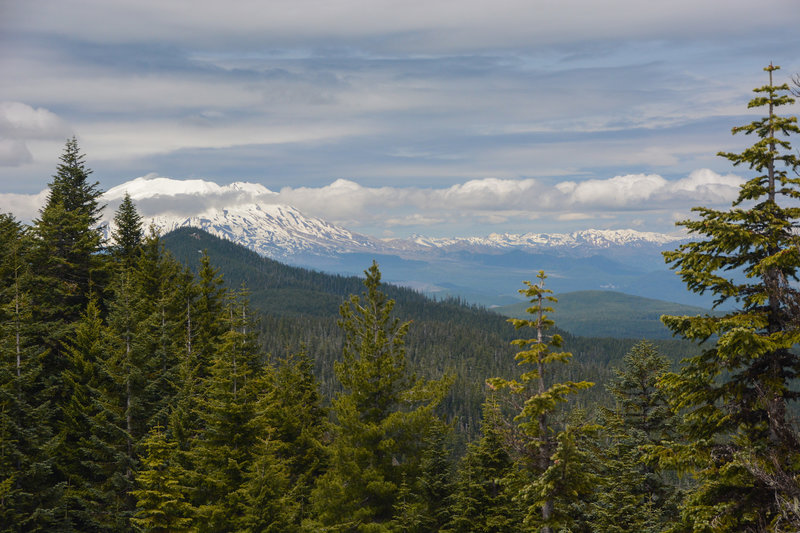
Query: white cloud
(24, 207)
(634, 191)
(19, 125)
(490, 201)
(21, 120)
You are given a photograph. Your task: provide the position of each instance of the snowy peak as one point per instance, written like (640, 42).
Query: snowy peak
(587, 239)
(246, 213)
(276, 231)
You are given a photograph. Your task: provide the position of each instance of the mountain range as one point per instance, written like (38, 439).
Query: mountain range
(486, 270)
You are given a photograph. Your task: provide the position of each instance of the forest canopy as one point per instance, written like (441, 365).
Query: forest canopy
(138, 394)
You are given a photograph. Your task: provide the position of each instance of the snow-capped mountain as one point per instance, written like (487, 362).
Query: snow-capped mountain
(247, 214)
(486, 270)
(276, 231)
(240, 212)
(586, 241)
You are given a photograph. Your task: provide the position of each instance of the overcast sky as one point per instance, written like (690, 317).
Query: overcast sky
(443, 118)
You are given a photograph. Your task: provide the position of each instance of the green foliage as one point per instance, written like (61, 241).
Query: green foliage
(300, 309)
(736, 397)
(483, 499)
(632, 494)
(162, 503)
(383, 416)
(221, 453)
(127, 234)
(291, 407)
(136, 396)
(549, 453)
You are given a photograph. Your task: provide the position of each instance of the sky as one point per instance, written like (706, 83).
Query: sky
(437, 117)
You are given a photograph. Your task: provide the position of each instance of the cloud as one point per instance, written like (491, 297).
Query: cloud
(24, 207)
(392, 26)
(20, 124)
(14, 152)
(490, 202)
(642, 191)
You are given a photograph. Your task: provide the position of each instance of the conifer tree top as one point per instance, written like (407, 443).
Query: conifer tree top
(71, 187)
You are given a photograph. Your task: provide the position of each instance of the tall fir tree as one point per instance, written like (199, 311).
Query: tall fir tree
(66, 268)
(162, 286)
(127, 233)
(88, 435)
(25, 427)
(737, 396)
(383, 416)
(221, 453)
(632, 494)
(67, 242)
(291, 413)
(540, 435)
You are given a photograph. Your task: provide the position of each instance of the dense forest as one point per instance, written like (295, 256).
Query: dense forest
(142, 390)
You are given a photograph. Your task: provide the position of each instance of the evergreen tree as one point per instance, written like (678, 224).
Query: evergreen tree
(127, 232)
(540, 436)
(222, 452)
(87, 432)
(738, 395)
(66, 244)
(66, 268)
(24, 424)
(290, 410)
(435, 486)
(383, 417)
(271, 502)
(161, 285)
(633, 495)
(483, 499)
(161, 500)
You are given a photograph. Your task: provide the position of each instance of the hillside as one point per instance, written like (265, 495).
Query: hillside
(610, 314)
(300, 310)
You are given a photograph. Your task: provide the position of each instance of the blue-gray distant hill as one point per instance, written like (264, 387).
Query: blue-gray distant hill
(610, 314)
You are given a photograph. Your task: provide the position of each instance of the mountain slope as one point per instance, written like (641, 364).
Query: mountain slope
(609, 313)
(300, 310)
(485, 270)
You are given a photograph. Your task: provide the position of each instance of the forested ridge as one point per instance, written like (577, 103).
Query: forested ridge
(300, 308)
(144, 392)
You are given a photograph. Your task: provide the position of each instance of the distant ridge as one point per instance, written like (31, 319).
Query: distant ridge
(610, 314)
(245, 213)
(486, 270)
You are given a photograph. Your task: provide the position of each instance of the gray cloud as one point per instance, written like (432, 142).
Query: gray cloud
(388, 25)
(486, 108)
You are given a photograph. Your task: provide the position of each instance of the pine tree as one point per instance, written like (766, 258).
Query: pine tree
(222, 452)
(290, 411)
(67, 242)
(383, 416)
(483, 499)
(633, 495)
(162, 287)
(127, 233)
(87, 433)
(737, 395)
(540, 437)
(435, 485)
(24, 425)
(161, 500)
(66, 268)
